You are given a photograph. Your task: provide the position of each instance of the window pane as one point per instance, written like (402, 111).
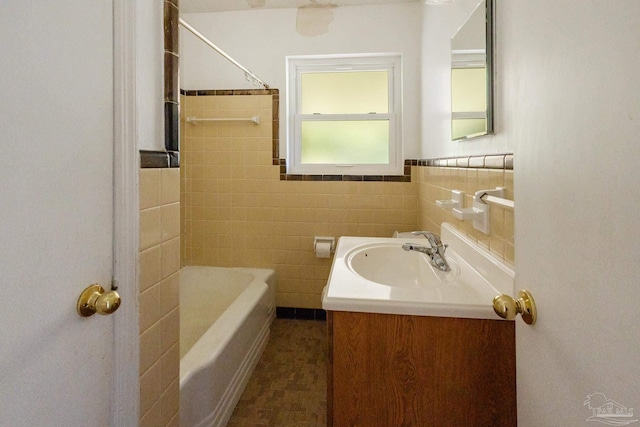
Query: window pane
(468, 89)
(345, 142)
(353, 92)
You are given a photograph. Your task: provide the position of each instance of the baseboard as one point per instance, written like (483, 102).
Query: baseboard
(301, 313)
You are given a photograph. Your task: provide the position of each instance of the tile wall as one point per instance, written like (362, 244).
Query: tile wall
(159, 261)
(436, 183)
(240, 209)
(237, 211)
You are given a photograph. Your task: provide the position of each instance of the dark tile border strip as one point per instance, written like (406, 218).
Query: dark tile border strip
(228, 92)
(493, 161)
(301, 313)
(282, 163)
(363, 178)
(489, 161)
(284, 176)
(171, 13)
(159, 159)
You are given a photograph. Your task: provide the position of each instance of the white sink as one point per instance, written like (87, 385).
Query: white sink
(376, 275)
(388, 264)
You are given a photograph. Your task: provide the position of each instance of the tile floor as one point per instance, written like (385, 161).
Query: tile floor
(289, 385)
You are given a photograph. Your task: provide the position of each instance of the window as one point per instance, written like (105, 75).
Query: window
(344, 115)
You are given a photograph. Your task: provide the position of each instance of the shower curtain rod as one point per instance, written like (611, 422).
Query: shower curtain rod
(247, 73)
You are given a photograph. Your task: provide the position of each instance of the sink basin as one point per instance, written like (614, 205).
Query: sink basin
(388, 264)
(375, 275)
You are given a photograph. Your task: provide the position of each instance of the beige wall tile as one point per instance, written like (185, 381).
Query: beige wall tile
(289, 299)
(160, 222)
(170, 185)
(149, 309)
(170, 366)
(169, 402)
(170, 330)
(150, 228)
(170, 256)
(150, 389)
(509, 220)
(496, 223)
(309, 300)
(508, 184)
(175, 421)
(169, 293)
(149, 272)
(149, 347)
(153, 417)
(169, 221)
(497, 247)
(509, 253)
(149, 188)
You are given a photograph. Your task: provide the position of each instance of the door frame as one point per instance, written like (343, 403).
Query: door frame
(125, 394)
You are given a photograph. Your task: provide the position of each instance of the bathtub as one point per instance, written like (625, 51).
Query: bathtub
(225, 315)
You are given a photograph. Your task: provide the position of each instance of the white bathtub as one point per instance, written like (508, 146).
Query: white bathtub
(225, 315)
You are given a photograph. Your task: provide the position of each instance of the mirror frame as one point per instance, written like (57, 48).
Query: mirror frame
(489, 64)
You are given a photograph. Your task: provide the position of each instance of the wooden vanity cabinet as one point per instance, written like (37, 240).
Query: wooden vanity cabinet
(395, 370)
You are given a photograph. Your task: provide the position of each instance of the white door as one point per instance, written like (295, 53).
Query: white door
(573, 69)
(56, 211)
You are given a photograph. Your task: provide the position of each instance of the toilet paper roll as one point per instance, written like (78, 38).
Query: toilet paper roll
(323, 250)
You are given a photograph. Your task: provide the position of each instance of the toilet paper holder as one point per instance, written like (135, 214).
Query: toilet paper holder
(323, 240)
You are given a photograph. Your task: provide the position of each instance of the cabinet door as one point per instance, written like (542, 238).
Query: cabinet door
(391, 370)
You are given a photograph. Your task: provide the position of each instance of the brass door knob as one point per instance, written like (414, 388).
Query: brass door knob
(507, 307)
(94, 299)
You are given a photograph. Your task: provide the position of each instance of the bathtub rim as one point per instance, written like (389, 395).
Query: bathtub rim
(198, 356)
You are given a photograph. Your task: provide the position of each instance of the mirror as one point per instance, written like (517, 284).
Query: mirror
(471, 75)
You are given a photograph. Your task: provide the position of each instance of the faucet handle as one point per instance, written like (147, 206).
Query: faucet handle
(422, 233)
(432, 237)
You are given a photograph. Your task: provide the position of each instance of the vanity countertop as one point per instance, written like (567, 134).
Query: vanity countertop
(375, 275)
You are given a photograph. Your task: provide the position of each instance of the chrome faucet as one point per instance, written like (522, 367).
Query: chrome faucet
(435, 252)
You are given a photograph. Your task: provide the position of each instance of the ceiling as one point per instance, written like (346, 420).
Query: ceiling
(192, 6)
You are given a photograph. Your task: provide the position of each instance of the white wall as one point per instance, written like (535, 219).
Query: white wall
(440, 23)
(261, 39)
(150, 71)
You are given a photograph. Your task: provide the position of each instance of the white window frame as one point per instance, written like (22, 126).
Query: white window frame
(297, 65)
